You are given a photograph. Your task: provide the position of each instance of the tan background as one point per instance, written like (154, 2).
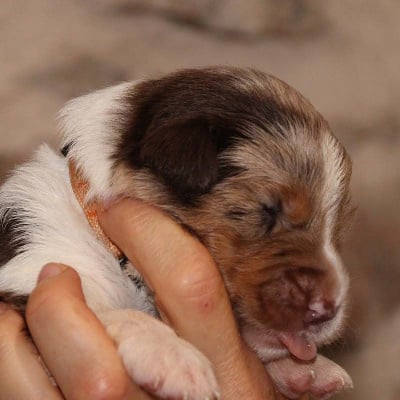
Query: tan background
(343, 55)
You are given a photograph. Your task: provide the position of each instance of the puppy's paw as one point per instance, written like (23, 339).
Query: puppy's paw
(321, 378)
(169, 368)
(158, 360)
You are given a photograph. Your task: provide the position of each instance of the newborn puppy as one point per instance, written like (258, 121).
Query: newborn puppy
(242, 161)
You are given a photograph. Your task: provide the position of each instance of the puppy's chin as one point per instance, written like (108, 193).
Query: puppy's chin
(265, 344)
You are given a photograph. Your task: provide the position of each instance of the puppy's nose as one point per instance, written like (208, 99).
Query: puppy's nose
(320, 311)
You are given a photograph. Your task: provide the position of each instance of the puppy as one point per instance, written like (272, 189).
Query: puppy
(240, 159)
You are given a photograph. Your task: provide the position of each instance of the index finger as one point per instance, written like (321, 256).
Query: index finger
(21, 372)
(73, 343)
(188, 287)
(175, 265)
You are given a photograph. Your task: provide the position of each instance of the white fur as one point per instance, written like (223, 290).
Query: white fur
(332, 190)
(163, 361)
(92, 123)
(57, 231)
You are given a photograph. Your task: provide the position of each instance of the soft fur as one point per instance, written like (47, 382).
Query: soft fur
(241, 160)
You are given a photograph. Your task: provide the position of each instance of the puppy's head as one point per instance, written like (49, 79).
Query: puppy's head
(251, 168)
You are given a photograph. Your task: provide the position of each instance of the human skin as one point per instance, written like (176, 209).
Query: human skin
(189, 292)
(80, 356)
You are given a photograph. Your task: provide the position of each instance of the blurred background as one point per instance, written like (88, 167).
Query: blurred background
(343, 55)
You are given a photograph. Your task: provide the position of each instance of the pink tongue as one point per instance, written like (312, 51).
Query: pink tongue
(299, 346)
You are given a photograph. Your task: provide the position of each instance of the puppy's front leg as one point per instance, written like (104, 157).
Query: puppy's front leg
(157, 359)
(322, 378)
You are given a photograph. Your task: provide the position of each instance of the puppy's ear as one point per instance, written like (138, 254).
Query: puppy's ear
(184, 155)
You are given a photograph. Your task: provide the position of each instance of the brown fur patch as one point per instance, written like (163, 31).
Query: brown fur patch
(297, 206)
(181, 123)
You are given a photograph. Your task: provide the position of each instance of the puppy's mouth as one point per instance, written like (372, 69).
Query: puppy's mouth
(270, 345)
(299, 345)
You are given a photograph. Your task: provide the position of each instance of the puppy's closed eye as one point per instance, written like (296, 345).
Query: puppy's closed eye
(262, 219)
(237, 213)
(271, 214)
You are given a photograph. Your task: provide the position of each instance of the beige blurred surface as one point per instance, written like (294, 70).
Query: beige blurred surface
(343, 55)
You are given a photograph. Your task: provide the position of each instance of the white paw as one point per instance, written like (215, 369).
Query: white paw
(321, 378)
(161, 362)
(170, 368)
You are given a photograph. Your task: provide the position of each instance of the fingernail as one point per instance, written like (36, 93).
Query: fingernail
(3, 308)
(50, 270)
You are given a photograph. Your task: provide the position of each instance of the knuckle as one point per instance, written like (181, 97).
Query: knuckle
(48, 297)
(140, 220)
(11, 326)
(198, 284)
(42, 300)
(5, 347)
(105, 386)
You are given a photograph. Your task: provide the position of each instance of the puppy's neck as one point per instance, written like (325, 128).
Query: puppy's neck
(80, 187)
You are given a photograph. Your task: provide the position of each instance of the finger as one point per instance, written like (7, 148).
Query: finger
(188, 287)
(22, 375)
(175, 265)
(72, 341)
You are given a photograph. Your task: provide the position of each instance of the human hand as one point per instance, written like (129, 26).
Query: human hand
(71, 341)
(189, 293)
